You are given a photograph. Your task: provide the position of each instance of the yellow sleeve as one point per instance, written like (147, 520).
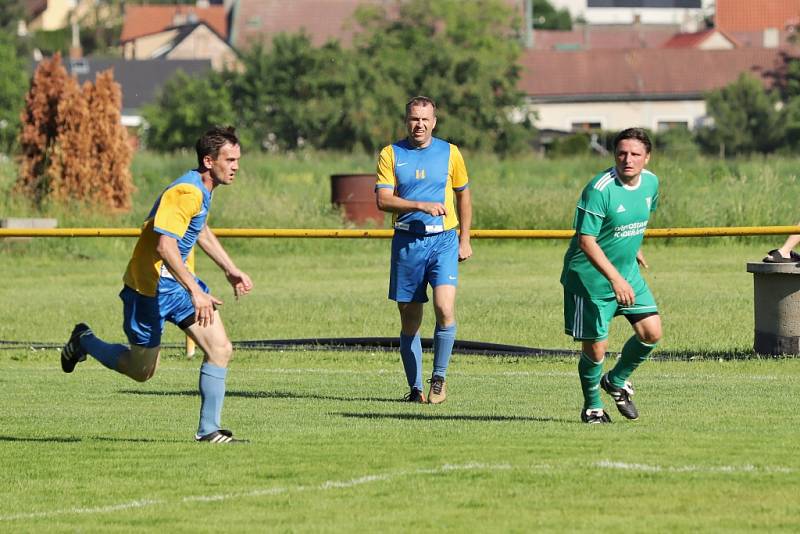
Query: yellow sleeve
(458, 169)
(385, 175)
(176, 208)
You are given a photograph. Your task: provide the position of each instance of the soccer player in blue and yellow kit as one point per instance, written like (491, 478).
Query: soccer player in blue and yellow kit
(601, 275)
(423, 181)
(159, 285)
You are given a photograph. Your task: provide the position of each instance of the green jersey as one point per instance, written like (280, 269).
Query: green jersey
(616, 214)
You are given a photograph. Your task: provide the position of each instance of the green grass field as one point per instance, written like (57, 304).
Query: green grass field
(332, 448)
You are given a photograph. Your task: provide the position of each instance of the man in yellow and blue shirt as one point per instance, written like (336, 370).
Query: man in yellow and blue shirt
(423, 182)
(159, 285)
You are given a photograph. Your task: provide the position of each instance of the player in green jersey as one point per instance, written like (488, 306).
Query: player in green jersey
(601, 276)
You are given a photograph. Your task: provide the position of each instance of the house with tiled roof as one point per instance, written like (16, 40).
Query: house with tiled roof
(189, 41)
(177, 32)
(761, 23)
(756, 15)
(259, 21)
(652, 88)
(147, 19)
(710, 39)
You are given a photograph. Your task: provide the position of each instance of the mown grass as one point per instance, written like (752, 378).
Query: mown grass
(509, 292)
(331, 448)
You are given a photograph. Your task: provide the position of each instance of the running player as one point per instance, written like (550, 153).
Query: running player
(159, 286)
(422, 180)
(601, 275)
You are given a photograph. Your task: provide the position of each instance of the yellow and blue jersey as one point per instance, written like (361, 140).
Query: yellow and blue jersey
(180, 212)
(429, 174)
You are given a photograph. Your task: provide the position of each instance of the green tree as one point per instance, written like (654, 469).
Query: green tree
(184, 109)
(294, 94)
(461, 54)
(546, 17)
(745, 119)
(11, 12)
(13, 86)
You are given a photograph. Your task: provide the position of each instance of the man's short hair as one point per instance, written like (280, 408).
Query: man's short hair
(638, 134)
(213, 140)
(420, 101)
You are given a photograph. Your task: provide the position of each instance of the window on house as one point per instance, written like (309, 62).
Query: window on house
(697, 4)
(663, 126)
(585, 126)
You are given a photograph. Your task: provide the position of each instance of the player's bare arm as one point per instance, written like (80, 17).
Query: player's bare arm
(464, 207)
(238, 279)
(387, 201)
(640, 259)
(622, 289)
(203, 303)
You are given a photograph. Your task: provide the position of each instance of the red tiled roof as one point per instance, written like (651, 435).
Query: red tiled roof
(752, 15)
(670, 72)
(688, 40)
(604, 37)
(141, 20)
(322, 20)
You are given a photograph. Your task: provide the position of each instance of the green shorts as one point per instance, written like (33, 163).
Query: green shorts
(587, 318)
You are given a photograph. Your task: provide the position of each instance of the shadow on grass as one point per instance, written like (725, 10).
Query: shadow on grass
(262, 395)
(138, 440)
(54, 439)
(455, 417)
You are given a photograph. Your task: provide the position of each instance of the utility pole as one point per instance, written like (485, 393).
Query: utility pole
(528, 23)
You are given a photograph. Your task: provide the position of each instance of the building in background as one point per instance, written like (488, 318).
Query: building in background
(688, 14)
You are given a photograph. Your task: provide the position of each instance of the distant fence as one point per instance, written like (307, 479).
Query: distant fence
(382, 234)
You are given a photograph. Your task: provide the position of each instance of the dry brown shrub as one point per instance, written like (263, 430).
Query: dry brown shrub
(74, 145)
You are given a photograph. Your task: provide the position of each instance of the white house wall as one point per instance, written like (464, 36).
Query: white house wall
(610, 15)
(618, 115)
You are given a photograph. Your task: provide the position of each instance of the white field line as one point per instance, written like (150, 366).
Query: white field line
(646, 468)
(266, 492)
(330, 485)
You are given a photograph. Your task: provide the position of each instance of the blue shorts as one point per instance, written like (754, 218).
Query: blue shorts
(143, 317)
(419, 260)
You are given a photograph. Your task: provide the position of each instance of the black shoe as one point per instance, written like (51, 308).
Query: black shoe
(622, 397)
(415, 395)
(595, 416)
(219, 436)
(73, 353)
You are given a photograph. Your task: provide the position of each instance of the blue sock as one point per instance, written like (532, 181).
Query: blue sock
(443, 339)
(212, 394)
(411, 353)
(106, 353)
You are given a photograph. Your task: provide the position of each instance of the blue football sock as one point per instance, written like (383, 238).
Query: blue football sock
(212, 395)
(443, 339)
(411, 353)
(106, 353)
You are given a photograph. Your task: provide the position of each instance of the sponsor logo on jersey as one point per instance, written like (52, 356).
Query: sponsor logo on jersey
(620, 209)
(630, 230)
